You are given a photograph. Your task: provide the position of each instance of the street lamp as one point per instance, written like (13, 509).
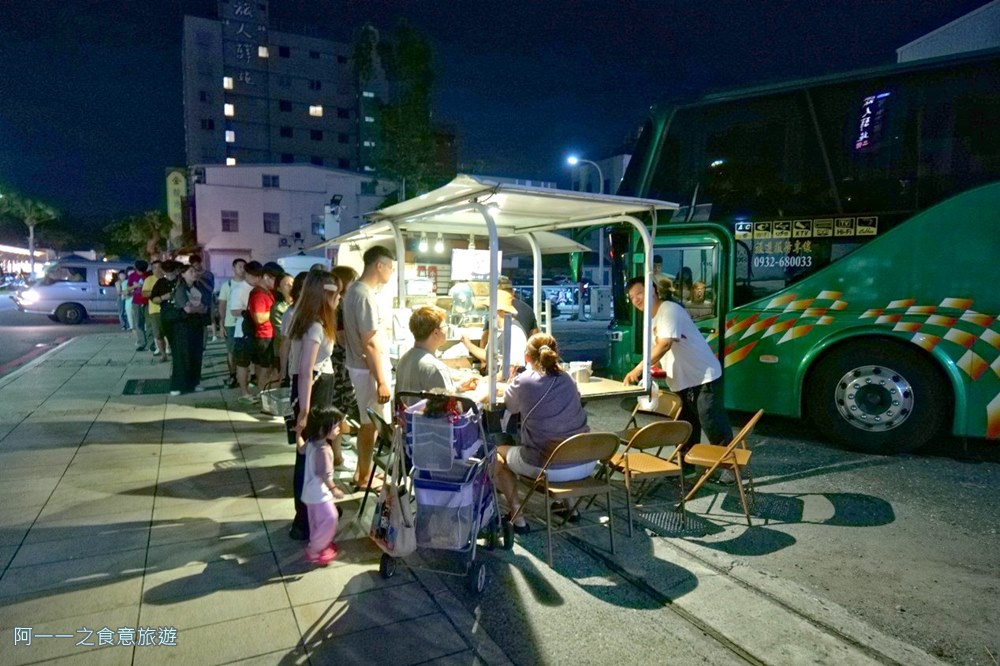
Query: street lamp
(574, 160)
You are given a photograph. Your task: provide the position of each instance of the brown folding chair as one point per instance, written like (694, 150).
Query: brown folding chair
(575, 450)
(735, 456)
(638, 465)
(668, 406)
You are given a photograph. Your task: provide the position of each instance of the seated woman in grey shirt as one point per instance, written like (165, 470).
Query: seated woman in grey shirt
(419, 369)
(549, 404)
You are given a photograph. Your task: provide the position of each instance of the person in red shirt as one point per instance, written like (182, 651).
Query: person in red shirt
(265, 357)
(138, 303)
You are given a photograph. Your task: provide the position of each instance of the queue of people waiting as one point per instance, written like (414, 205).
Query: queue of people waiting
(324, 333)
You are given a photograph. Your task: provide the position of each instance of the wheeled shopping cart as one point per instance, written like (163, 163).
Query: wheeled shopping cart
(451, 480)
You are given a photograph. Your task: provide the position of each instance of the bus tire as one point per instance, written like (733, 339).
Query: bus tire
(71, 313)
(880, 397)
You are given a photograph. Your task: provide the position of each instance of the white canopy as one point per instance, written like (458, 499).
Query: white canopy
(469, 205)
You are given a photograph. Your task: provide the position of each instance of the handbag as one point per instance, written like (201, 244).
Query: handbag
(393, 528)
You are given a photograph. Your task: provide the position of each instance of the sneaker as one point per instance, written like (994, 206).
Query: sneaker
(326, 556)
(246, 399)
(215, 338)
(175, 393)
(298, 534)
(199, 389)
(232, 382)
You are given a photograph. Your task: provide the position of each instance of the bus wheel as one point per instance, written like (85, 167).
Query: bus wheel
(878, 396)
(70, 313)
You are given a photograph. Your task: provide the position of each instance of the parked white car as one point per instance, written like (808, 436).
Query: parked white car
(71, 291)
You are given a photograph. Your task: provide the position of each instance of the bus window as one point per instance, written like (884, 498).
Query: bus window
(690, 277)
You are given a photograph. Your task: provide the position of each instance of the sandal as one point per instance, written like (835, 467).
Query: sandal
(376, 486)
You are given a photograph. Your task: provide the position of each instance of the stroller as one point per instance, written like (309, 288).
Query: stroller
(451, 476)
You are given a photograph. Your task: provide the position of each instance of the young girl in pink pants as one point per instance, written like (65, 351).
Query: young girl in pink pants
(318, 490)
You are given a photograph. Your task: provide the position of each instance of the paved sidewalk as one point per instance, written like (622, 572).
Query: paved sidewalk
(150, 521)
(166, 513)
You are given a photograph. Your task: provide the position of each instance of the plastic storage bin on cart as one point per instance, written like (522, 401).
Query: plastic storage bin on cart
(452, 480)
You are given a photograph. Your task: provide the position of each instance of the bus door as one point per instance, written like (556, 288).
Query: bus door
(692, 268)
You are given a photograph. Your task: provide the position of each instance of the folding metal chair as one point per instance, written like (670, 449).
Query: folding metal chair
(735, 457)
(575, 450)
(636, 464)
(383, 437)
(668, 406)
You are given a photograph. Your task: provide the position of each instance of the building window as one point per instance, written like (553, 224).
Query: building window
(368, 93)
(285, 131)
(315, 84)
(284, 52)
(262, 51)
(316, 110)
(343, 163)
(316, 135)
(368, 187)
(230, 136)
(341, 59)
(231, 221)
(268, 180)
(284, 105)
(228, 110)
(230, 161)
(369, 119)
(343, 138)
(287, 158)
(315, 159)
(318, 226)
(343, 113)
(207, 124)
(227, 82)
(271, 223)
(202, 96)
(314, 55)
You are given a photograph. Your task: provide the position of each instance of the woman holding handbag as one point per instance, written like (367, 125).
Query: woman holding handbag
(312, 332)
(191, 300)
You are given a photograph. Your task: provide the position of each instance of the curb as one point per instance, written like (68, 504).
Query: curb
(15, 374)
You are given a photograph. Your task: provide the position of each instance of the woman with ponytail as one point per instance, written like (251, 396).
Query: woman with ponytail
(551, 410)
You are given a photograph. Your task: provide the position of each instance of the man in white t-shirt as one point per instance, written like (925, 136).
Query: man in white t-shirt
(239, 301)
(692, 369)
(226, 315)
(367, 347)
(518, 343)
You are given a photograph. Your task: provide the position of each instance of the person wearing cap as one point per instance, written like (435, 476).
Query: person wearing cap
(518, 340)
(525, 313)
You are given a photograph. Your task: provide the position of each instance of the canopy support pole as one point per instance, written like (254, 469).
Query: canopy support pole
(536, 283)
(491, 345)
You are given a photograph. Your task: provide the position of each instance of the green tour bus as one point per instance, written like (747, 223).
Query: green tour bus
(836, 243)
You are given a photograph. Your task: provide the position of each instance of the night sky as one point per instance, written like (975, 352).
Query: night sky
(90, 90)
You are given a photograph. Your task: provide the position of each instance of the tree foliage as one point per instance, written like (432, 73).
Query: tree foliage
(406, 147)
(142, 235)
(31, 212)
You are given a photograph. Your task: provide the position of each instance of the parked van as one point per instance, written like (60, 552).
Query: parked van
(72, 290)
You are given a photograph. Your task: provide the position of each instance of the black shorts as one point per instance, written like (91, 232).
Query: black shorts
(243, 352)
(264, 354)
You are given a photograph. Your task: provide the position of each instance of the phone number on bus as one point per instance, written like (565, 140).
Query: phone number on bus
(772, 260)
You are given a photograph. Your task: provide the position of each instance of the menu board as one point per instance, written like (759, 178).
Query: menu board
(471, 264)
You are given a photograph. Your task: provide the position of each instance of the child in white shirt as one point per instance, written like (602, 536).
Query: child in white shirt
(318, 490)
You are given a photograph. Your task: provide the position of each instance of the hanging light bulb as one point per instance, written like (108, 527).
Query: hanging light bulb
(439, 244)
(422, 246)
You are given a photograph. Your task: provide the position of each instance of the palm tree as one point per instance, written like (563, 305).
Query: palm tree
(144, 232)
(29, 211)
